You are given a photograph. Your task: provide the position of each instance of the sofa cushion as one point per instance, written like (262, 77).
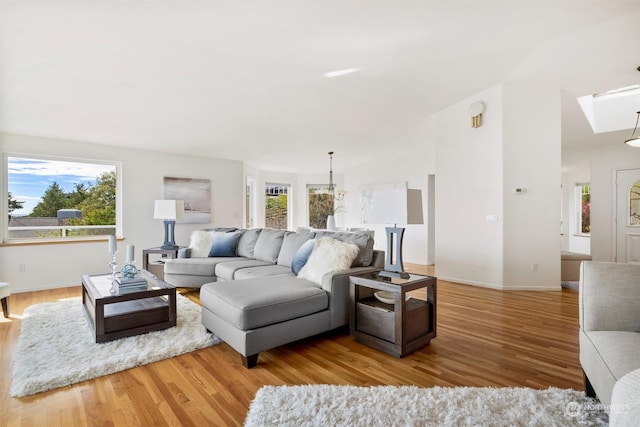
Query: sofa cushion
(328, 255)
(268, 245)
(247, 242)
(262, 271)
(290, 245)
(361, 239)
(253, 303)
(227, 270)
(224, 243)
(302, 256)
(195, 266)
(200, 243)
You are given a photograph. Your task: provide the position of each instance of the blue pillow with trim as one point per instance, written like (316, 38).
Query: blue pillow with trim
(302, 256)
(224, 244)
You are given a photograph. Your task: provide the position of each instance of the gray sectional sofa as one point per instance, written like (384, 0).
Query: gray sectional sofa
(609, 303)
(252, 296)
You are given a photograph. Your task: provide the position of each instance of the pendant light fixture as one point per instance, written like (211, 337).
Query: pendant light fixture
(332, 187)
(634, 141)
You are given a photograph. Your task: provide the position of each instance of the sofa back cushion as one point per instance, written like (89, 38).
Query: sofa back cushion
(268, 245)
(200, 243)
(224, 244)
(363, 241)
(290, 245)
(247, 242)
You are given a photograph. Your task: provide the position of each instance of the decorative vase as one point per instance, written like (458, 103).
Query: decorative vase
(331, 222)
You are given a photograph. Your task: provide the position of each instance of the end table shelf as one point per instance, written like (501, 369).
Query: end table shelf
(399, 328)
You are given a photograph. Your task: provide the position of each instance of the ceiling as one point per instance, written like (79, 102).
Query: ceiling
(244, 79)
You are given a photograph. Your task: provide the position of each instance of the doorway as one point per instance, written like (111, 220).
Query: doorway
(628, 216)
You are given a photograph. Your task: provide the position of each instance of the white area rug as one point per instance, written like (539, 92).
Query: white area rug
(57, 347)
(326, 405)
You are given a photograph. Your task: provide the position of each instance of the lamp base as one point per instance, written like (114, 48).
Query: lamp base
(394, 274)
(169, 236)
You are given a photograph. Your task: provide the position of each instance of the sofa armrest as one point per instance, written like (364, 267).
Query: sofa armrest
(609, 296)
(336, 284)
(184, 253)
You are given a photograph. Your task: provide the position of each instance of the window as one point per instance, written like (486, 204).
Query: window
(277, 204)
(634, 204)
(583, 192)
(321, 205)
(54, 199)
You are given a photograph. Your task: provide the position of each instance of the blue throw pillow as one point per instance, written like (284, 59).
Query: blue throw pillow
(224, 244)
(302, 256)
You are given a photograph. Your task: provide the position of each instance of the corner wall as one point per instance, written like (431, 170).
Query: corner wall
(486, 235)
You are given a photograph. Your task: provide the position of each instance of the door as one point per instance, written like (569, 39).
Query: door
(628, 216)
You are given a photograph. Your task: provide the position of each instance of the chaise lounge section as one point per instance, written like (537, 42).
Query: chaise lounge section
(276, 286)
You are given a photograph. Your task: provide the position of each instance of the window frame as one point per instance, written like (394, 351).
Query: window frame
(5, 240)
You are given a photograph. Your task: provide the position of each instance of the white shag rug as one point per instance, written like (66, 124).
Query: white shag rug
(328, 405)
(57, 346)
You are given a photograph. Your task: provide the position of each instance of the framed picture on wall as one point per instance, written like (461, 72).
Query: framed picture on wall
(196, 194)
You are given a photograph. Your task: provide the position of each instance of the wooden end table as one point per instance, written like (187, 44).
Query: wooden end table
(157, 267)
(399, 328)
(113, 316)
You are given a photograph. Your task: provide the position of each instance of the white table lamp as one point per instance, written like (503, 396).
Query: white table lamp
(169, 211)
(397, 206)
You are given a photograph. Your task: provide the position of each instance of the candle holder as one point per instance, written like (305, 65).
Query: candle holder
(114, 266)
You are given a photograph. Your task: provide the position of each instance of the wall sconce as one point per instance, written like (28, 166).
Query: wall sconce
(475, 111)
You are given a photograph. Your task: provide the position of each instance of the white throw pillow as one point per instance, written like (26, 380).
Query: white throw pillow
(328, 255)
(200, 244)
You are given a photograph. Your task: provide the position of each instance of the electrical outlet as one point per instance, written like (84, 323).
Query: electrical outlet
(22, 268)
(534, 267)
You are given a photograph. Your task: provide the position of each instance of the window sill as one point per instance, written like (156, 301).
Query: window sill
(53, 242)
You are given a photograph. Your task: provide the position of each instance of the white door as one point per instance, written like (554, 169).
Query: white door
(628, 216)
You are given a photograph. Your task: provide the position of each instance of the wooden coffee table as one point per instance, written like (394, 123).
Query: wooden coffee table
(114, 316)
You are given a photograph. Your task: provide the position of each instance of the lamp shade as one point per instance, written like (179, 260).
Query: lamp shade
(168, 209)
(397, 206)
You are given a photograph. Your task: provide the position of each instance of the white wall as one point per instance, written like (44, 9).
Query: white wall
(486, 235)
(469, 187)
(411, 164)
(605, 161)
(57, 265)
(531, 160)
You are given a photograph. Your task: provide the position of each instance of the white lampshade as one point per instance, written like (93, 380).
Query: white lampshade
(168, 209)
(397, 206)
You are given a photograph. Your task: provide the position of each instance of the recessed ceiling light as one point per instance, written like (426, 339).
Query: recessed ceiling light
(342, 72)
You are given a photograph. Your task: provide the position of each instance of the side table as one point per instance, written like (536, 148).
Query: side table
(399, 328)
(157, 267)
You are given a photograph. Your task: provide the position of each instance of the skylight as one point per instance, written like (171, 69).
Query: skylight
(612, 110)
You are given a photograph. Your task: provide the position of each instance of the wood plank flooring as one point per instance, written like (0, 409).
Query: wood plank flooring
(485, 338)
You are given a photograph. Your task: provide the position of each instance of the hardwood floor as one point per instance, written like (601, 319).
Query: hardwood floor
(485, 338)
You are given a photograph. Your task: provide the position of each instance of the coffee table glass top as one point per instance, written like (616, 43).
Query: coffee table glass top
(102, 284)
